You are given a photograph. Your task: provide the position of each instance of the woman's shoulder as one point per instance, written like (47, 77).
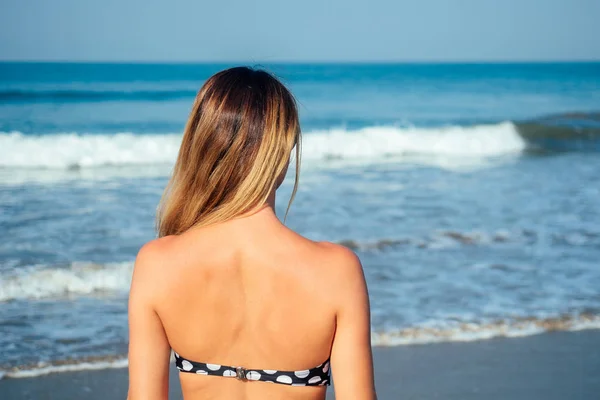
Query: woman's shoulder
(338, 254)
(155, 257)
(149, 272)
(344, 272)
(342, 263)
(155, 251)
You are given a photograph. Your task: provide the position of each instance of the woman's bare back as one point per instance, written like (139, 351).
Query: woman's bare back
(229, 284)
(249, 292)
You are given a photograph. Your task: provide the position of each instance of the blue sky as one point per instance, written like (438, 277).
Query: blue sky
(300, 30)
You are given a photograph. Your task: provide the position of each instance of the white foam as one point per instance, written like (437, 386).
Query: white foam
(75, 365)
(465, 332)
(377, 142)
(75, 279)
(71, 150)
(469, 332)
(78, 366)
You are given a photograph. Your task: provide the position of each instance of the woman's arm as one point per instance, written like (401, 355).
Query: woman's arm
(351, 355)
(149, 349)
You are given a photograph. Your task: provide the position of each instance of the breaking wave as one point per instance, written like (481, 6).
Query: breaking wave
(75, 279)
(562, 132)
(74, 150)
(471, 331)
(85, 364)
(463, 332)
(81, 278)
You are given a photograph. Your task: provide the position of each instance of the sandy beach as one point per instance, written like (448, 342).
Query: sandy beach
(551, 366)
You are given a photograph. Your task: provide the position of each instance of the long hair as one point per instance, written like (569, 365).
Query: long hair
(235, 149)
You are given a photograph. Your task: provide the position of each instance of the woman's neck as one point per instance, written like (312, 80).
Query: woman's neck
(268, 207)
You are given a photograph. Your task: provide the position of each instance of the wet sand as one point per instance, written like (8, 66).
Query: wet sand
(551, 366)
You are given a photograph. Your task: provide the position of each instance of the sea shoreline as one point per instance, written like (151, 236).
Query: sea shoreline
(549, 366)
(465, 332)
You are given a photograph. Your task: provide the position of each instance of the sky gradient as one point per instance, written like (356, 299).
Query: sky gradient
(302, 30)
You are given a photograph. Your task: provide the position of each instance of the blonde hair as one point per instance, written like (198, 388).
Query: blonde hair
(235, 149)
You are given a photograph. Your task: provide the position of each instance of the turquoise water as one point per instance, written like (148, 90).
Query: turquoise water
(470, 192)
(146, 98)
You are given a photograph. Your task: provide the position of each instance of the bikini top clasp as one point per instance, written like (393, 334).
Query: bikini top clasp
(240, 373)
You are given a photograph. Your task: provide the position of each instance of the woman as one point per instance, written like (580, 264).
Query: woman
(251, 309)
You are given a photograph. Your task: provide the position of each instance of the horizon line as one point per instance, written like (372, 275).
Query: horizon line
(301, 62)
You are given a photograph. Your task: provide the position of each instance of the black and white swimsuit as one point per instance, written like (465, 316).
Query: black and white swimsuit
(317, 376)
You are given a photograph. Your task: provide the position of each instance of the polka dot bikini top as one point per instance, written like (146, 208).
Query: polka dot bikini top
(317, 376)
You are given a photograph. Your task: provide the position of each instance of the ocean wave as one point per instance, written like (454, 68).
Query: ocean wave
(562, 132)
(472, 331)
(79, 96)
(84, 278)
(73, 150)
(461, 332)
(71, 365)
(75, 279)
(450, 238)
(440, 240)
(377, 142)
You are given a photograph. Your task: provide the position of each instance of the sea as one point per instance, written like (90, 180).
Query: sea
(469, 191)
